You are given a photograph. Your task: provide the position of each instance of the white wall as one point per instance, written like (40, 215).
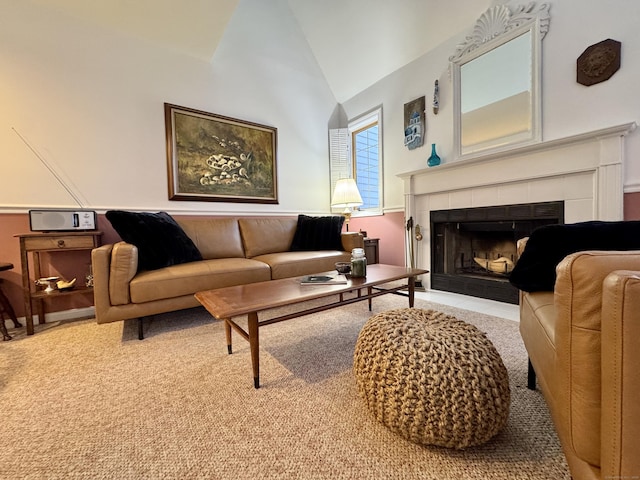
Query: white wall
(568, 107)
(90, 102)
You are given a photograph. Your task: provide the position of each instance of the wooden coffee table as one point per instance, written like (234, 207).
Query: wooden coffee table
(251, 299)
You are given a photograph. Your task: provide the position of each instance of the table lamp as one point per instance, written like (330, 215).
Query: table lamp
(346, 195)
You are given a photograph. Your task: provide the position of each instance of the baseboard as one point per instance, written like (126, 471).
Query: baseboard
(73, 314)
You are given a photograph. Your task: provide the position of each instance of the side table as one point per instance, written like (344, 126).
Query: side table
(36, 243)
(371, 250)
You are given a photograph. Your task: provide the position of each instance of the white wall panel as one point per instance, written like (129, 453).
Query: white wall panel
(568, 107)
(91, 102)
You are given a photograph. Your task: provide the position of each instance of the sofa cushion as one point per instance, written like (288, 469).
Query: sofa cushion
(296, 264)
(189, 278)
(160, 240)
(535, 270)
(266, 234)
(318, 233)
(214, 237)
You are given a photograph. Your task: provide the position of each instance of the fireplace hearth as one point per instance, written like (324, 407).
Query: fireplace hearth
(474, 249)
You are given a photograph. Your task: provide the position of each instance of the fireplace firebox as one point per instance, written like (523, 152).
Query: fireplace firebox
(474, 249)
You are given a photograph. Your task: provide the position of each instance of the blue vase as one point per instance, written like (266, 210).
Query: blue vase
(434, 159)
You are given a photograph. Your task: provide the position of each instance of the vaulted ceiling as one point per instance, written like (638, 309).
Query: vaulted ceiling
(386, 34)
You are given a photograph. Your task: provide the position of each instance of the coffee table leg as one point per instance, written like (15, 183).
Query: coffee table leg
(227, 330)
(254, 343)
(412, 290)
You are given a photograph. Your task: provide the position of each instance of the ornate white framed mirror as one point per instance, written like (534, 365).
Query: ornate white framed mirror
(496, 76)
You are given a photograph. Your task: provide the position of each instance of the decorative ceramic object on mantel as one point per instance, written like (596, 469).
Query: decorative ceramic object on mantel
(434, 159)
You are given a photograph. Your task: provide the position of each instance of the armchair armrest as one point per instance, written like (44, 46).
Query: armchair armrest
(580, 320)
(620, 420)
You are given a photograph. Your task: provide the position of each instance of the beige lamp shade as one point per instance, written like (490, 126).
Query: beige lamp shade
(346, 194)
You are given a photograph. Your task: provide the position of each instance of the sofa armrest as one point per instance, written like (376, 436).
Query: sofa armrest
(124, 266)
(114, 265)
(351, 240)
(620, 420)
(100, 262)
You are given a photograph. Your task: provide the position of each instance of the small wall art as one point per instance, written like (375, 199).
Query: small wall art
(598, 62)
(436, 97)
(414, 123)
(219, 159)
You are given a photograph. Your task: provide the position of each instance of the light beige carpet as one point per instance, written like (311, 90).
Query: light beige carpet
(86, 401)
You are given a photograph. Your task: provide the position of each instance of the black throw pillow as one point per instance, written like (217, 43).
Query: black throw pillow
(535, 270)
(160, 240)
(318, 233)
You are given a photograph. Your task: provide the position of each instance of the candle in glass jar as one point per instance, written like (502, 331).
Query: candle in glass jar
(358, 263)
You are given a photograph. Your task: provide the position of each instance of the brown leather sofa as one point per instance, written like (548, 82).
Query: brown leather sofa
(235, 251)
(583, 341)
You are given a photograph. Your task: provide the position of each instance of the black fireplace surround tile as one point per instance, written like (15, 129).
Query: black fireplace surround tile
(507, 222)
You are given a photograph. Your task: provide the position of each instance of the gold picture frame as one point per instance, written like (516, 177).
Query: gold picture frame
(215, 158)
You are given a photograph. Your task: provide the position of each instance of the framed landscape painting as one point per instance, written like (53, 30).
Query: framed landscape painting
(219, 159)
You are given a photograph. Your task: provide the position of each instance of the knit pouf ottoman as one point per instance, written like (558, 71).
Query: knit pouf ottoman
(431, 378)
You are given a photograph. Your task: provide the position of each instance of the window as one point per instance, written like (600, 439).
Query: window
(356, 152)
(367, 165)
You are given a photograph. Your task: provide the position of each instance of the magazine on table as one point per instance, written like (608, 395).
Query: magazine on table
(323, 280)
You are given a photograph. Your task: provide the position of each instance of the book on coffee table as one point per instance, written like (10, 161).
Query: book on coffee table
(324, 280)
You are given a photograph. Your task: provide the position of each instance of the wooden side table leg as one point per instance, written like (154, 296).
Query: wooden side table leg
(39, 304)
(40, 310)
(26, 287)
(254, 344)
(28, 315)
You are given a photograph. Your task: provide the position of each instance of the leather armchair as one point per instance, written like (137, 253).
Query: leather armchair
(583, 342)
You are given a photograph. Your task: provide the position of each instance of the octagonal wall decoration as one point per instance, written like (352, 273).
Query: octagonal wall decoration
(598, 62)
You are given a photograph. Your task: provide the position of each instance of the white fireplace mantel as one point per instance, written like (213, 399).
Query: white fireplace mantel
(584, 171)
(542, 172)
